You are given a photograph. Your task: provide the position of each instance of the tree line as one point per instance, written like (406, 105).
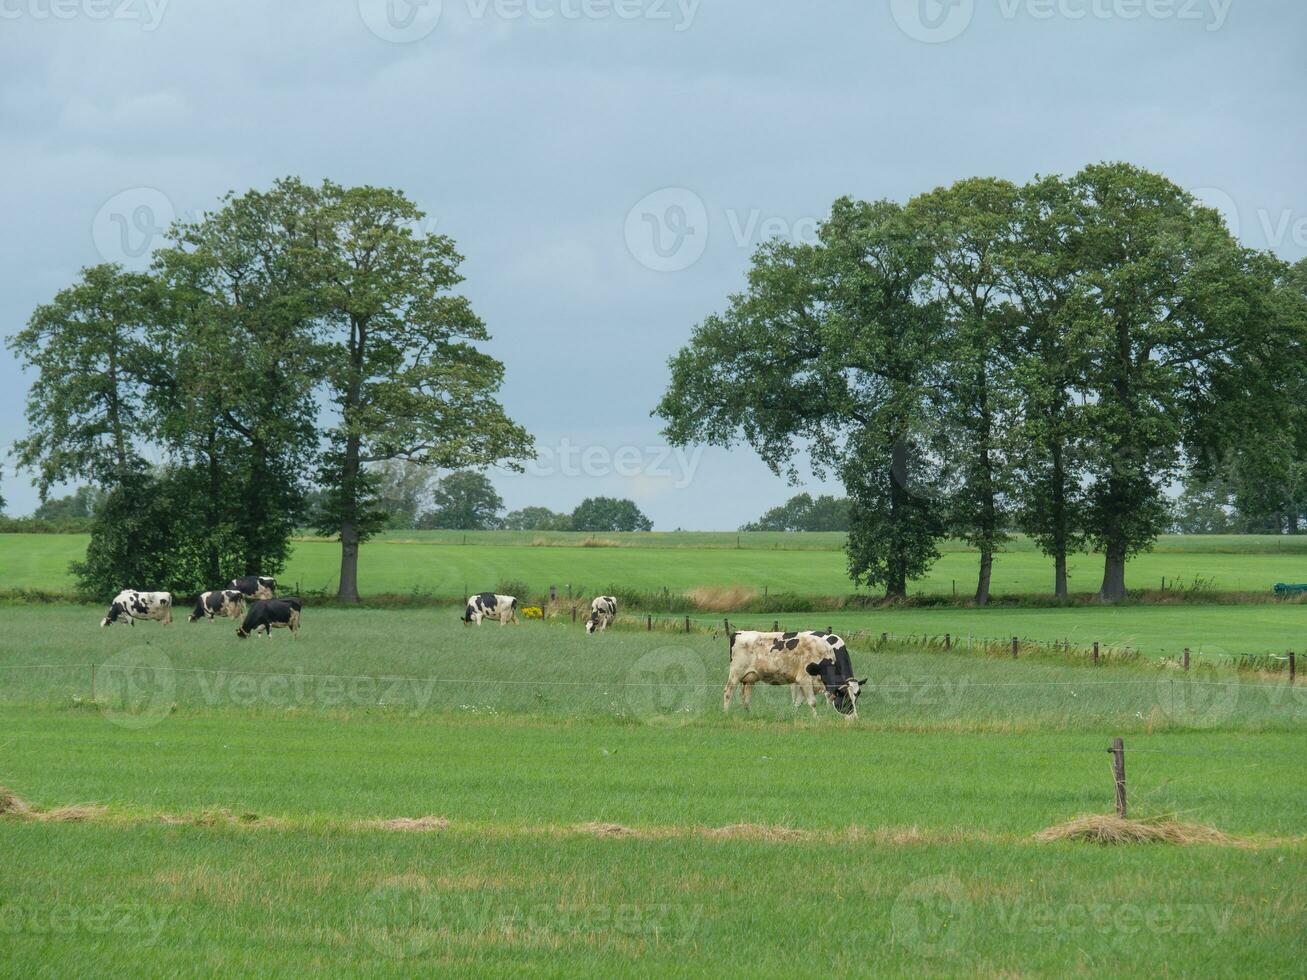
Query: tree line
(1049, 357)
(291, 338)
(414, 498)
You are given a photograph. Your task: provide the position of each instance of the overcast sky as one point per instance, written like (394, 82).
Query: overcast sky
(608, 166)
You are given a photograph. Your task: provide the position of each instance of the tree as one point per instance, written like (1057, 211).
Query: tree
(1175, 314)
(536, 519)
(86, 409)
(79, 504)
(1047, 441)
(609, 514)
(463, 501)
(1202, 508)
(398, 359)
(403, 488)
(148, 534)
(802, 513)
(237, 400)
(831, 347)
(969, 225)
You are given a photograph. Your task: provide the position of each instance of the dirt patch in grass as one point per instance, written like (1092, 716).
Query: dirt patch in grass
(1103, 829)
(414, 825)
(753, 831)
(599, 829)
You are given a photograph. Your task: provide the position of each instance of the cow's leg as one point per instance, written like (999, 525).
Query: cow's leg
(729, 693)
(294, 624)
(805, 685)
(746, 694)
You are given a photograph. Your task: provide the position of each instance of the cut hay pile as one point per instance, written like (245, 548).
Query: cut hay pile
(1100, 829)
(13, 806)
(18, 808)
(721, 598)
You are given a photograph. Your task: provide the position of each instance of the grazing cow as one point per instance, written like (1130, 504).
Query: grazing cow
(255, 586)
(602, 613)
(794, 658)
(131, 605)
(225, 602)
(487, 605)
(267, 614)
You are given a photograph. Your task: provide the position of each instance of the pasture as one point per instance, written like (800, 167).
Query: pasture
(440, 563)
(395, 792)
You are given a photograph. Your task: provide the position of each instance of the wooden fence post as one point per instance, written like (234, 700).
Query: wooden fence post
(727, 624)
(1186, 658)
(884, 638)
(1014, 648)
(649, 622)
(948, 641)
(687, 624)
(1293, 667)
(574, 612)
(1095, 651)
(1118, 775)
(553, 593)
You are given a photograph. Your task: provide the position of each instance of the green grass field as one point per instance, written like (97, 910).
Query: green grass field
(592, 812)
(438, 563)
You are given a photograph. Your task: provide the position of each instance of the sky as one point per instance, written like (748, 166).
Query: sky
(607, 167)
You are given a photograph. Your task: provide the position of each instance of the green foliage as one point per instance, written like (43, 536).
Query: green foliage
(78, 505)
(463, 501)
(802, 513)
(536, 519)
(148, 533)
(86, 411)
(402, 490)
(609, 514)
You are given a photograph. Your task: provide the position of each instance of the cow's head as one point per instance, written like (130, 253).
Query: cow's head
(844, 697)
(241, 632)
(116, 610)
(468, 615)
(592, 623)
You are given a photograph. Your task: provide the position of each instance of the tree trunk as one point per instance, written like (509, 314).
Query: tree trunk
(986, 567)
(1059, 521)
(1113, 589)
(896, 579)
(349, 533)
(214, 560)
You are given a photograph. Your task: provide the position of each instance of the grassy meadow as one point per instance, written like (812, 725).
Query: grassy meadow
(393, 792)
(439, 563)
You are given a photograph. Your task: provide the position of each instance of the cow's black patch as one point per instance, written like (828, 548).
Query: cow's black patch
(789, 636)
(791, 644)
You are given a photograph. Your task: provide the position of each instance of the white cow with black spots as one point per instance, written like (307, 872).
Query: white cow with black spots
(488, 605)
(130, 605)
(602, 613)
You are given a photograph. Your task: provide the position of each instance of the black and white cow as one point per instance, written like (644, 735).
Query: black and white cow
(130, 605)
(602, 613)
(255, 586)
(225, 602)
(487, 605)
(802, 659)
(270, 614)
